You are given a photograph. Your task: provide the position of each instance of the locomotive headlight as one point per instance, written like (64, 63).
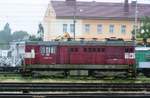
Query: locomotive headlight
(129, 55)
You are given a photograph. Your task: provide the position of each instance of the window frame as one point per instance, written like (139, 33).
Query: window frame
(65, 27)
(99, 28)
(71, 28)
(42, 50)
(74, 49)
(111, 28)
(87, 28)
(47, 50)
(123, 29)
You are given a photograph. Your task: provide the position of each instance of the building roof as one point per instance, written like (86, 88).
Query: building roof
(99, 10)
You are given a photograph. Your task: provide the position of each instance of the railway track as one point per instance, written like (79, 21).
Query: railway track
(77, 95)
(74, 87)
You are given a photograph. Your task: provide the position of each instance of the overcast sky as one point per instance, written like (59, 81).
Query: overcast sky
(27, 14)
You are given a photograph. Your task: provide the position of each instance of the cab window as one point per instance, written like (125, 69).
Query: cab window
(47, 50)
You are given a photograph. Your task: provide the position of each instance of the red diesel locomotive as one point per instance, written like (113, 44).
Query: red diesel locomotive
(80, 58)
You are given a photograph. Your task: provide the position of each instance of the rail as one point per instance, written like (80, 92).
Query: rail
(77, 95)
(74, 87)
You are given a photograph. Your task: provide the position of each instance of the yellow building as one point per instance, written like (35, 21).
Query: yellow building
(92, 19)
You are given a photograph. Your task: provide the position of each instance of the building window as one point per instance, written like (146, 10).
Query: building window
(99, 28)
(87, 27)
(64, 27)
(111, 28)
(71, 28)
(123, 28)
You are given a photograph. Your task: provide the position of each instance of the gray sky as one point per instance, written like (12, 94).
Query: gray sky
(27, 14)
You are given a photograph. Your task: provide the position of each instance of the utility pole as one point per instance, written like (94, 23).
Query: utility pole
(135, 22)
(74, 20)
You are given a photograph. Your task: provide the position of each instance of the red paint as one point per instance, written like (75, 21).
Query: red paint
(39, 58)
(77, 54)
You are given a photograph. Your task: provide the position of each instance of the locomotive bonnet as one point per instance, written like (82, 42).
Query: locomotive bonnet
(90, 58)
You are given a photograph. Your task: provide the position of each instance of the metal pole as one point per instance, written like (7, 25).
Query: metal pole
(135, 25)
(74, 21)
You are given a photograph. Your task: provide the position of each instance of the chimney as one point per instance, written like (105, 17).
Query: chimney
(126, 6)
(71, 2)
(133, 3)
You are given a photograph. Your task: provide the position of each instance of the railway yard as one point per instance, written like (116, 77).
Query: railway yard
(74, 90)
(76, 69)
(113, 68)
(81, 49)
(14, 85)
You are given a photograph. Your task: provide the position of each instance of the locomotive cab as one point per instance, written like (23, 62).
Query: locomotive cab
(143, 60)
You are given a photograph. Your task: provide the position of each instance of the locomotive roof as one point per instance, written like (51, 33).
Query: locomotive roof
(102, 43)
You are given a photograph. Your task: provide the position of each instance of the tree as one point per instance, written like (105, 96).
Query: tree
(20, 35)
(5, 36)
(40, 31)
(34, 38)
(6, 33)
(144, 31)
(7, 29)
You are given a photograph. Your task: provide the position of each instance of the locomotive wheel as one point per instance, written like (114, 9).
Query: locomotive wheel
(66, 73)
(25, 73)
(35, 75)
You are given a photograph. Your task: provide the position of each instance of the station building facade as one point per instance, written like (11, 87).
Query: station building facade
(92, 19)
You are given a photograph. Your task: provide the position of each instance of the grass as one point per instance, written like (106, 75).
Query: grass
(19, 78)
(72, 80)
